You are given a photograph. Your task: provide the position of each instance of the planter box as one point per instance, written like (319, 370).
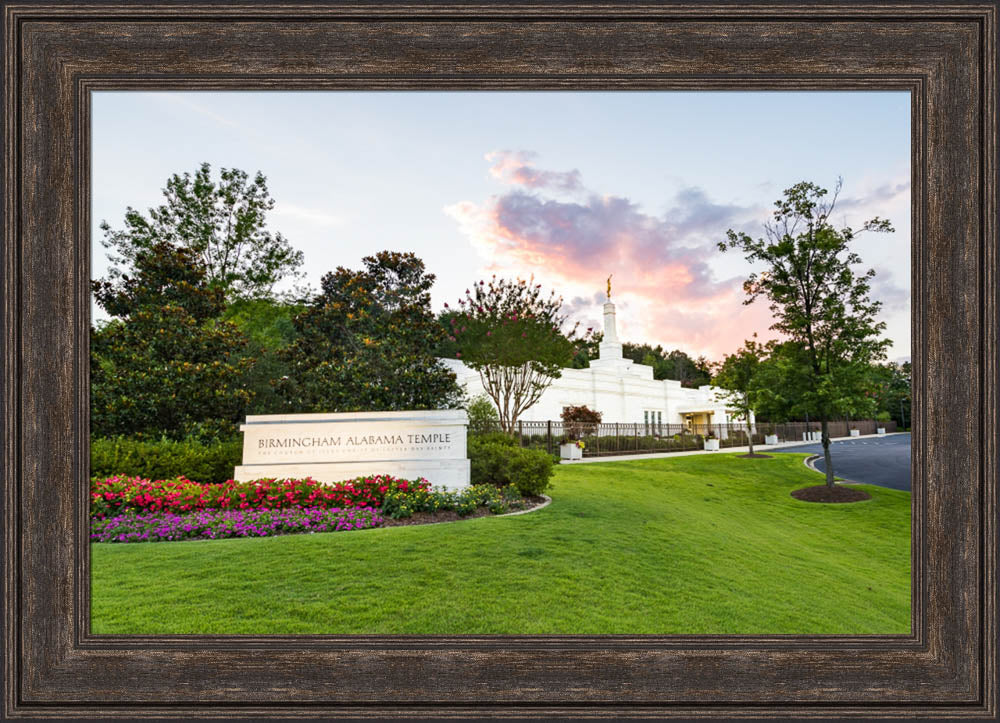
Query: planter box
(712, 445)
(855, 433)
(770, 439)
(570, 451)
(880, 431)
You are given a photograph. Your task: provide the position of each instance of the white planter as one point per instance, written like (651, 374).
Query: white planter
(712, 445)
(570, 451)
(855, 433)
(880, 431)
(770, 439)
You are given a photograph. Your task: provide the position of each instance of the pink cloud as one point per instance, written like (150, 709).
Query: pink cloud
(663, 265)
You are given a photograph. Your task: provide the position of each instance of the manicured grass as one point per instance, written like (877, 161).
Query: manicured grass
(698, 545)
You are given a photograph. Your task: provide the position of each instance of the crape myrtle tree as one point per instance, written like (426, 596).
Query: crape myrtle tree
(819, 302)
(737, 377)
(164, 365)
(367, 342)
(512, 335)
(221, 222)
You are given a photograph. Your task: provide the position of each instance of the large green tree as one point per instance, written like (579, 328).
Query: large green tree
(513, 336)
(164, 365)
(221, 222)
(367, 341)
(738, 378)
(819, 301)
(675, 364)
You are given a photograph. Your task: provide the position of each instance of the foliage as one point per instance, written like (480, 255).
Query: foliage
(890, 388)
(164, 365)
(400, 505)
(367, 342)
(819, 302)
(115, 495)
(483, 417)
(578, 421)
(218, 524)
(737, 378)
(675, 364)
(222, 223)
(212, 462)
(512, 336)
(502, 464)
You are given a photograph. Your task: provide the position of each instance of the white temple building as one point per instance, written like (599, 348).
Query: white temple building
(618, 388)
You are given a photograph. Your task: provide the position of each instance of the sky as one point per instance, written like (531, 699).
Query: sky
(564, 187)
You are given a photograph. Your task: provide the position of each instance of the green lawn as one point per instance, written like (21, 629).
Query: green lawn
(699, 544)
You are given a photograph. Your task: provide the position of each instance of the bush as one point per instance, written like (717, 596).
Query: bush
(530, 471)
(483, 415)
(399, 505)
(579, 421)
(165, 459)
(502, 464)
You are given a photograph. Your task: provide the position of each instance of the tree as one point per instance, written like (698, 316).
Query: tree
(818, 301)
(675, 365)
(513, 337)
(737, 375)
(367, 342)
(222, 223)
(165, 366)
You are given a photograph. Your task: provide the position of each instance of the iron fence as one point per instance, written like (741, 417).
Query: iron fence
(606, 439)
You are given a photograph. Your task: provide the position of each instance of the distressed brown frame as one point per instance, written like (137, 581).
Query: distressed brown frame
(56, 54)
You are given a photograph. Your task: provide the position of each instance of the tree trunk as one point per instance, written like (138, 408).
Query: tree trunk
(750, 435)
(824, 425)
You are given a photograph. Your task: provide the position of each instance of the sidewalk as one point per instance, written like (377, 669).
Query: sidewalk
(758, 449)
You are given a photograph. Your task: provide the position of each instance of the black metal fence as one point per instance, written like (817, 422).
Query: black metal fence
(602, 440)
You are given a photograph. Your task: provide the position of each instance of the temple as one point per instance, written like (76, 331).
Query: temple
(618, 388)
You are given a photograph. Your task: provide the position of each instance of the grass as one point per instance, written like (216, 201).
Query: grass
(689, 545)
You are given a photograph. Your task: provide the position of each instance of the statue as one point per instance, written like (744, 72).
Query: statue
(609, 287)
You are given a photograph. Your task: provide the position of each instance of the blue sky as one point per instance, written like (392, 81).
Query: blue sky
(567, 186)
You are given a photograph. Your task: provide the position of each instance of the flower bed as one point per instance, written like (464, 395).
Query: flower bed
(132, 509)
(133, 526)
(114, 495)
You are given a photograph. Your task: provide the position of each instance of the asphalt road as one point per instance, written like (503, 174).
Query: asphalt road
(882, 461)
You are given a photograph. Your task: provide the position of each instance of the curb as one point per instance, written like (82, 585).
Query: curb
(810, 462)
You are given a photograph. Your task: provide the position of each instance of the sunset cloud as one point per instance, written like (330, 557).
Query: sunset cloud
(664, 265)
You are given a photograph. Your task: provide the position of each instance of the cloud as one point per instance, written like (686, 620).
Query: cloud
(671, 283)
(308, 215)
(663, 264)
(514, 167)
(885, 289)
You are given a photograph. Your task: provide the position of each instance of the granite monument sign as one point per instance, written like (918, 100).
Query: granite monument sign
(342, 446)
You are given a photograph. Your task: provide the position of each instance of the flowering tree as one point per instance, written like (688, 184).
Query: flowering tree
(512, 335)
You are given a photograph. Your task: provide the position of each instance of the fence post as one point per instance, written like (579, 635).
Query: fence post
(618, 438)
(548, 442)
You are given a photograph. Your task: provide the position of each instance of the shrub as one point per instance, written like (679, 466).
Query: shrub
(530, 471)
(487, 462)
(579, 421)
(483, 415)
(165, 459)
(500, 464)
(399, 505)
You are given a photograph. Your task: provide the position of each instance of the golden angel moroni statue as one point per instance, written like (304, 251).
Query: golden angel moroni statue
(609, 287)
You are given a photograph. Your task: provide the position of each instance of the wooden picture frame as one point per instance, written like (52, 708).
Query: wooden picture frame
(55, 55)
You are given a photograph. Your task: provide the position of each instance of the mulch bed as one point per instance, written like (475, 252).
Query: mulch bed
(754, 456)
(429, 518)
(822, 493)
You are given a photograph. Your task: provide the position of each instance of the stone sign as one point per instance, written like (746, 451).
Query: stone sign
(339, 447)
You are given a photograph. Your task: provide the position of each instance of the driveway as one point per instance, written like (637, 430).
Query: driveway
(882, 461)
